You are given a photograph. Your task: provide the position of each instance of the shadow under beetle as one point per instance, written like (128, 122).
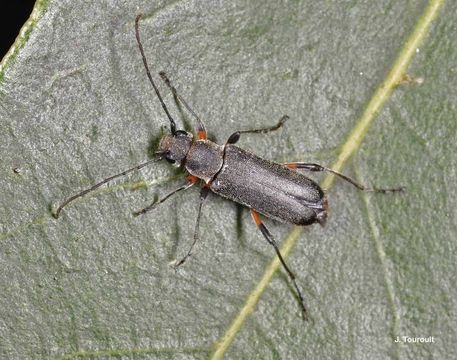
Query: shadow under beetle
(275, 190)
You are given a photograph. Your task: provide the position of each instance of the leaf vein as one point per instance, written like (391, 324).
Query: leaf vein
(349, 147)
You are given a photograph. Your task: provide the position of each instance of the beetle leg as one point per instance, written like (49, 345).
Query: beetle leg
(236, 135)
(191, 180)
(317, 167)
(266, 233)
(201, 130)
(203, 194)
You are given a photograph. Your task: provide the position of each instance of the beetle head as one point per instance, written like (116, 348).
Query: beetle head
(174, 147)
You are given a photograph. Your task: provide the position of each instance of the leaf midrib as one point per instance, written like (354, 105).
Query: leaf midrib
(349, 147)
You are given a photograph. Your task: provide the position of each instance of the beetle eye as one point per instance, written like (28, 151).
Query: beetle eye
(181, 133)
(168, 158)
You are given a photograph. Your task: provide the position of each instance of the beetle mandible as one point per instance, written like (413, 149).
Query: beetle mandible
(275, 190)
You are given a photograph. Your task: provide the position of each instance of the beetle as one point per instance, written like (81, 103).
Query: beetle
(277, 191)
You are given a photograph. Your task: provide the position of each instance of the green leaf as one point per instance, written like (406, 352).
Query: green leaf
(76, 107)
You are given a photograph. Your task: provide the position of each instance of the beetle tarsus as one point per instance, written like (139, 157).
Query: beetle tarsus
(316, 167)
(269, 237)
(203, 194)
(237, 134)
(158, 202)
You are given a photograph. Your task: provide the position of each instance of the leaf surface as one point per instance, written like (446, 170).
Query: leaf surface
(76, 107)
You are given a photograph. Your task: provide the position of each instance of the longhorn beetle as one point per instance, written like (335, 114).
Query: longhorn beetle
(275, 190)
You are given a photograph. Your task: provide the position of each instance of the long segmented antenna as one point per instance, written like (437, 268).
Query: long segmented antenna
(84, 192)
(137, 34)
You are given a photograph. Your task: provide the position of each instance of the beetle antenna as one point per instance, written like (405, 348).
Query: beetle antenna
(137, 34)
(84, 192)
